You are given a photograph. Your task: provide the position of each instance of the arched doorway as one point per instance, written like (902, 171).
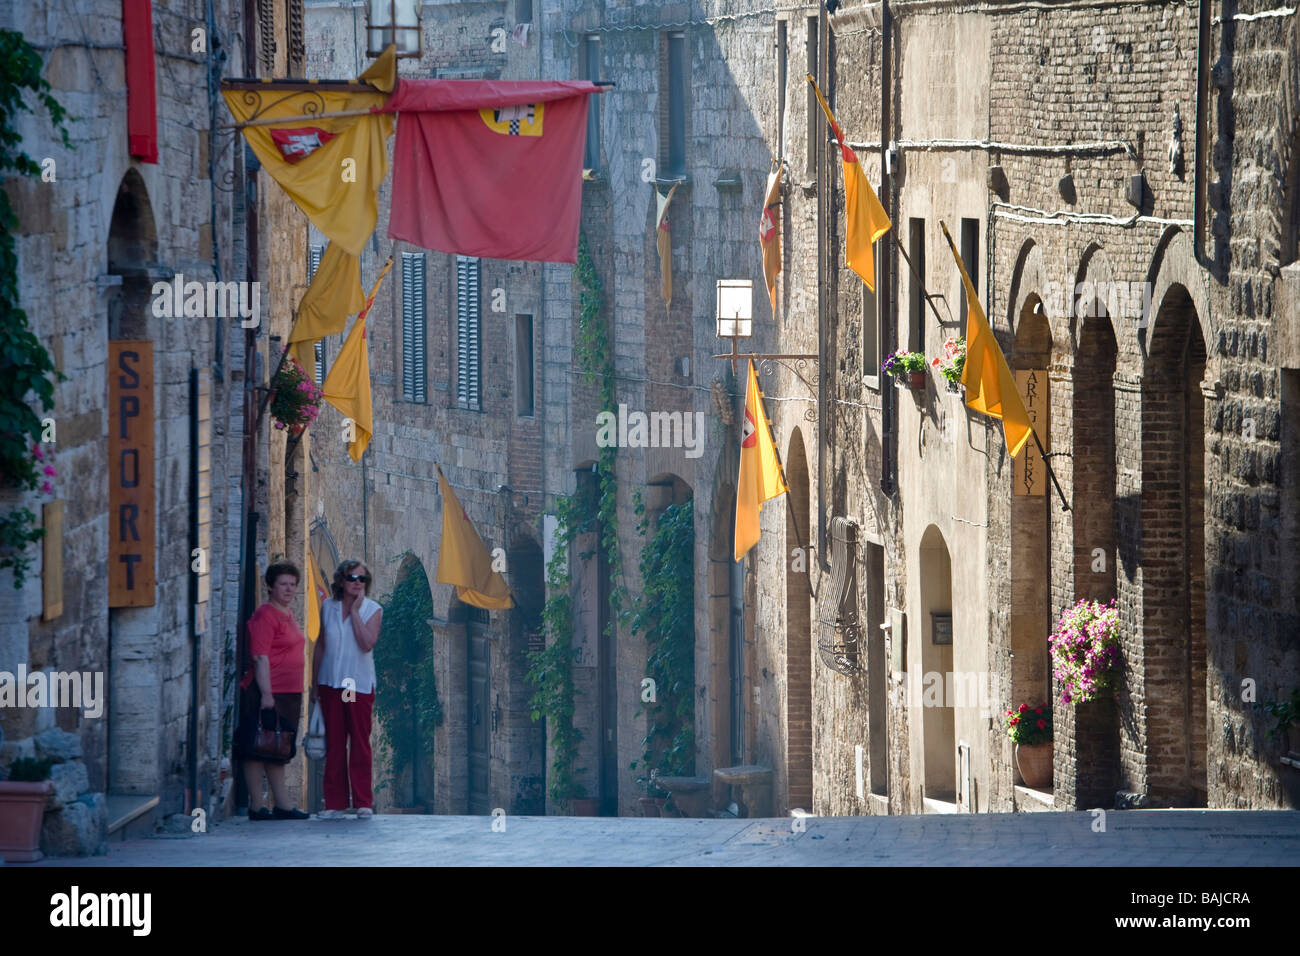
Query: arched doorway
(1173, 654)
(1031, 574)
(133, 754)
(798, 632)
(937, 713)
(526, 741)
(1091, 777)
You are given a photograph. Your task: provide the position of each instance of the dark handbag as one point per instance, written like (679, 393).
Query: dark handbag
(273, 744)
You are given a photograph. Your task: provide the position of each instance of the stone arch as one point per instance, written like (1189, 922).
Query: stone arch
(132, 253)
(1087, 307)
(798, 630)
(1174, 264)
(938, 717)
(1031, 279)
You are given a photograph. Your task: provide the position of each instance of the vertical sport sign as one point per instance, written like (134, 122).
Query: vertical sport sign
(131, 581)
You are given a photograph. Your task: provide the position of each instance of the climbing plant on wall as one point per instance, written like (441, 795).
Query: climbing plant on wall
(25, 365)
(406, 692)
(665, 613)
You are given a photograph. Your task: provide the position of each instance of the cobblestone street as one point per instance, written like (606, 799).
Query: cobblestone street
(1132, 838)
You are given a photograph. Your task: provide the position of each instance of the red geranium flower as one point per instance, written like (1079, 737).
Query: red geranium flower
(1023, 708)
(1014, 721)
(1042, 724)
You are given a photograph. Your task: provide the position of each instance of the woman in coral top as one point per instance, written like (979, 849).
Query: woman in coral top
(272, 684)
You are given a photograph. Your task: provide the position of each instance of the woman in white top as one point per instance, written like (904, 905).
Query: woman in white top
(343, 676)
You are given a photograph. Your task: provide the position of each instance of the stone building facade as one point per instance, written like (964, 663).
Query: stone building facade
(1059, 147)
(92, 243)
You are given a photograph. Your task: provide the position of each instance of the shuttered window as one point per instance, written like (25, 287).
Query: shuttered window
(313, 263)
(468, 339)
(413, 327)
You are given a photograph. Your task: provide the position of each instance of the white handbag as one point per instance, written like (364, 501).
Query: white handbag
(314, 743)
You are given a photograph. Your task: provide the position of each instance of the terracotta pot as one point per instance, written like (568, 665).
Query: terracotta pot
(649, 806)
(1035, 765)
(22, 808)
(585, 807)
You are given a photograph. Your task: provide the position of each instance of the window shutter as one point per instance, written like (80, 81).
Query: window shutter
(468, 360)
(314, 253)
(413, 327)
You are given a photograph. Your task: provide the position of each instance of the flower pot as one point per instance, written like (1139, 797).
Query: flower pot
(916, 380)
(585, 807)
(650, 806)
(1035, 765)
(22, 808)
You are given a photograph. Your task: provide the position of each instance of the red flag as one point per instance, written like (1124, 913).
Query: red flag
(489, 168)
(141, 91)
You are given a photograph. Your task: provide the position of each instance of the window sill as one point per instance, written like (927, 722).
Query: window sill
(872, 382)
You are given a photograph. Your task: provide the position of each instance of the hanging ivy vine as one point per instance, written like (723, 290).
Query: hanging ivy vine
(25, 366)
(551, 670)
(406, 691)
(665, 614)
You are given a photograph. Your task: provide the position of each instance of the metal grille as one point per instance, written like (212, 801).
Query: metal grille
(839, 632)
(468, 339)
(266, 35)
(413, 327)
(297, 48)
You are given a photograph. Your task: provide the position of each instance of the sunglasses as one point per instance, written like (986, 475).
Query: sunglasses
(363, 578)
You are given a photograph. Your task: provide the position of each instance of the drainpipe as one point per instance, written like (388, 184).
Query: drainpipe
(1202, 131)
(823, 305)
(888, 477)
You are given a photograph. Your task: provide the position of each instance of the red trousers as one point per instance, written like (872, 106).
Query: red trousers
(347, 748)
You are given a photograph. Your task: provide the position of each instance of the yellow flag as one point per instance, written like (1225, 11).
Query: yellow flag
(760, 472)
(330, 166)
(865, 218)
(313, 596)
(463, 559)
(663, 242)
(347, 387)
(334, 294)
(990, 386)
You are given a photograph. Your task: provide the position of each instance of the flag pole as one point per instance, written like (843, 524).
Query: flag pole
(1042, 452)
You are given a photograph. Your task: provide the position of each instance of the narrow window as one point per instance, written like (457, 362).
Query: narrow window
(523, 11)
(314, 252)
(871, 322)
(591, 51)
(916, 294)
(780, 86)
(813, 109)
(677, 63)
(413, 327)
(970, 256)
(467, 332)
(524, 365)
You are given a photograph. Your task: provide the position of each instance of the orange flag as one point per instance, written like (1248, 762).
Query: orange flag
(760, 476)
(463, 559)
(347, 387)
(334, 294)
(866, 219)
(769, 233)
(990, 386)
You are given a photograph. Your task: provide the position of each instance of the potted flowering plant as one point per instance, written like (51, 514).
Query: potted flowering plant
(295, 398)
(22, 809)
(953, 360)
(908, 368)
(1030, 729)
(1085, 651)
